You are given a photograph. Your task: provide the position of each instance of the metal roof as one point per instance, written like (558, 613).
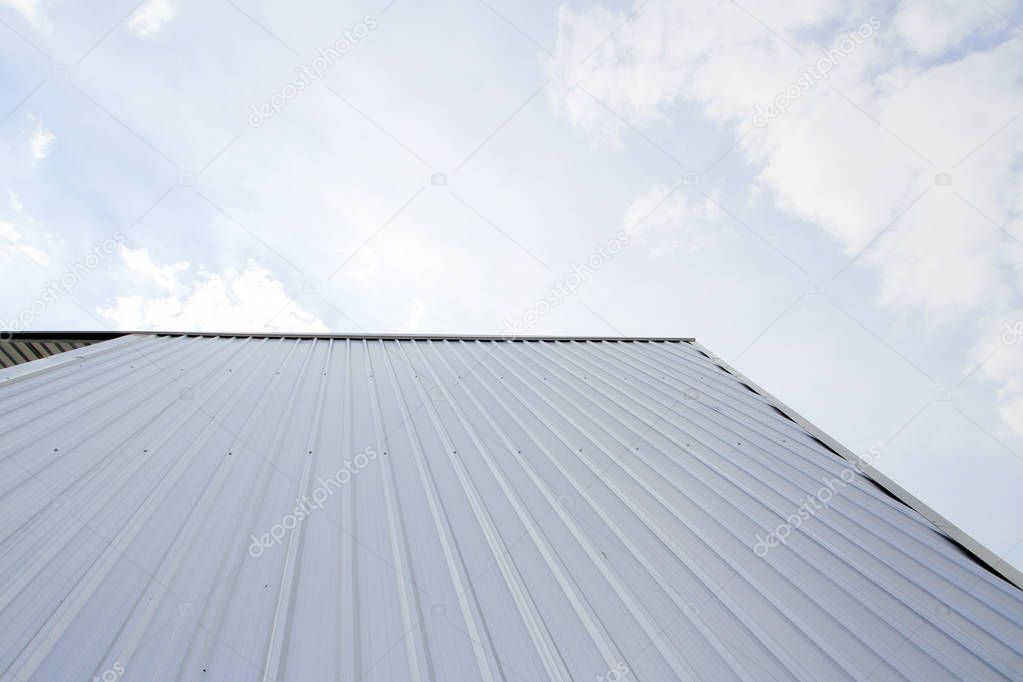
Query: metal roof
(17, 351)
(400, 508)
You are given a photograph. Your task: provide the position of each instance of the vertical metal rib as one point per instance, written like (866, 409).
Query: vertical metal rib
(278, 637)
(456, 569)
(350, 646)
(538, 633)
(417, 649)
(201, 644)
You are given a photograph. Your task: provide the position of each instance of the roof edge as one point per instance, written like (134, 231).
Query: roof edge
(984, 556)
(106, 335)
(62, 336)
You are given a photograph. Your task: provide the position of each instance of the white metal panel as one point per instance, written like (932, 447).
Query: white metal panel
(443, 508)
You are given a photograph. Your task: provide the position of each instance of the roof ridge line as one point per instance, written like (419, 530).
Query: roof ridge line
(105, 335)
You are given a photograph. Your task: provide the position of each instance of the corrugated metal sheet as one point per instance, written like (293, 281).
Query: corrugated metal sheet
(15, 351)
(276, 508)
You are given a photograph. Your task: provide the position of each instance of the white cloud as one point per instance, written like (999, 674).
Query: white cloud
(15, 201)
(143, 270)
(936, 26)
(40, 142)
(151, 16)
(998, 356)
(679, 222)
(920, 105)
(414, 321)
(363, 265)
(668, 52)
(246, 300)
(31, 11)
(13, 246)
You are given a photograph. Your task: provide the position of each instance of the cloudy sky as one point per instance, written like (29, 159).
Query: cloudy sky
(827, 194)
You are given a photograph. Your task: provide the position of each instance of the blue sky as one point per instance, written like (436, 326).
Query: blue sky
(837, 214)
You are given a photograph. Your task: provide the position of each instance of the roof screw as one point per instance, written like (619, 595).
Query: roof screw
(186, 609)
(438, 609)
(565, 501)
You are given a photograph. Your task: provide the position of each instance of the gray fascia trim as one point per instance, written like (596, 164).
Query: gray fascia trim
(101, 336)
(985, 556)
(62, 336)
